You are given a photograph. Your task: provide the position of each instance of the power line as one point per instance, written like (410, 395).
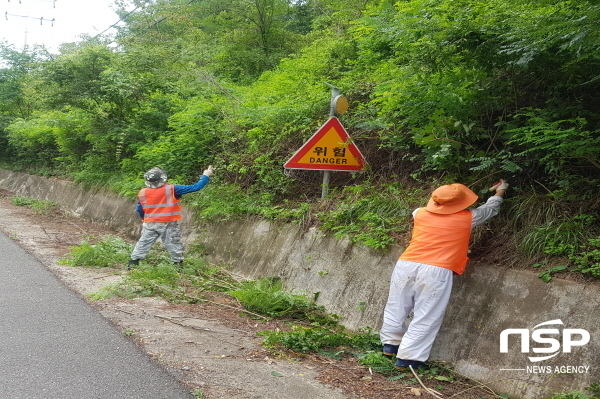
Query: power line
(122, 19)
(44, 1)
(41, 19)
(115, 24)
(25, 10)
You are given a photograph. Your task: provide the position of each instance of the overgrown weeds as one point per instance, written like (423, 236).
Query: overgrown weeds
(156, 276)
(368, 214)
(311, 328)
(40, 207)
(558, 237)
(267, 296)
(371, 215)
(226, 202)
(109, 251)
(549, 233)
(568, 240)
(305, 339)
(592, 392)
(545, 230)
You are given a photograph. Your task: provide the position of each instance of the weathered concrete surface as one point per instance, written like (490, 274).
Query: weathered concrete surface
(350, 281)
(98, 206)
(353, 282)
(489, 300)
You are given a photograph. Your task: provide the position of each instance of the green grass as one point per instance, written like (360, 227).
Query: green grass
(109, 251)
(40, 207)
(371, 215)
(226, 202)
(593, 393)
(572, 395)
(267, 296)
(560, 237)
(155, 276)
(305, 339)
(199, 393)
(163, 279)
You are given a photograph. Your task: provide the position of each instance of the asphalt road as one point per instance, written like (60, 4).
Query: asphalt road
(54, 345)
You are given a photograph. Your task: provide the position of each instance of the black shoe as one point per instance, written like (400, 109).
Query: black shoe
(133, 262)
(179, 264)
(390, 350)
(402, 364)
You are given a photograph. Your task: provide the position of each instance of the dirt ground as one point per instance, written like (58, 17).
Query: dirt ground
(213, 348)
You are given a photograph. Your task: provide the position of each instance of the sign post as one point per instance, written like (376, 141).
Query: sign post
(330, 148)
(335, 93)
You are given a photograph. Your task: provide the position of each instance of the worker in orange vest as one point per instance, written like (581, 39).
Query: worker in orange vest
(422, 278)
(160, 208)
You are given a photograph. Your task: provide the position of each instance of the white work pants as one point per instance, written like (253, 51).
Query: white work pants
(426, 290)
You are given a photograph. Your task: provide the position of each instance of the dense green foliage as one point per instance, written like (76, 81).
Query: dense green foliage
(439, 90)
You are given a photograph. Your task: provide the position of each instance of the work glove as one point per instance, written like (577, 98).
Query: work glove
(499, 185)
(209, 172)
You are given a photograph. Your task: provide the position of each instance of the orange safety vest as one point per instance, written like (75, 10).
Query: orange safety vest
(440, 240)
(160, 204)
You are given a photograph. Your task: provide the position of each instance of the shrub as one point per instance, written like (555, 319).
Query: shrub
(111, 251)
(267, 296)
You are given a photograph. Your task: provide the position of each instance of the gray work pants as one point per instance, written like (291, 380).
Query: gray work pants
(168, 232)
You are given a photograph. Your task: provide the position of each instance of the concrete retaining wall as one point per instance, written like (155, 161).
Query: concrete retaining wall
(353, 282)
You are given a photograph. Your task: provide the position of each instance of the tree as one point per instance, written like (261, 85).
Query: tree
(16, 67)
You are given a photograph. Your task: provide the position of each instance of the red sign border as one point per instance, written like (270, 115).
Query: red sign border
(334, 123)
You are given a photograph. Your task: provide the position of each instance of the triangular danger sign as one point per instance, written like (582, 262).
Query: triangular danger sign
(330, 148)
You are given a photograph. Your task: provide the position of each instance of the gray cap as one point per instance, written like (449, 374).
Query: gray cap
(155, 177)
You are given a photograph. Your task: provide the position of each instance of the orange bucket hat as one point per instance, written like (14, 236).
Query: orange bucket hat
(451, 198)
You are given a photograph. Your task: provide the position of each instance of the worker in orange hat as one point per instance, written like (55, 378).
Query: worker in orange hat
(422, 278)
